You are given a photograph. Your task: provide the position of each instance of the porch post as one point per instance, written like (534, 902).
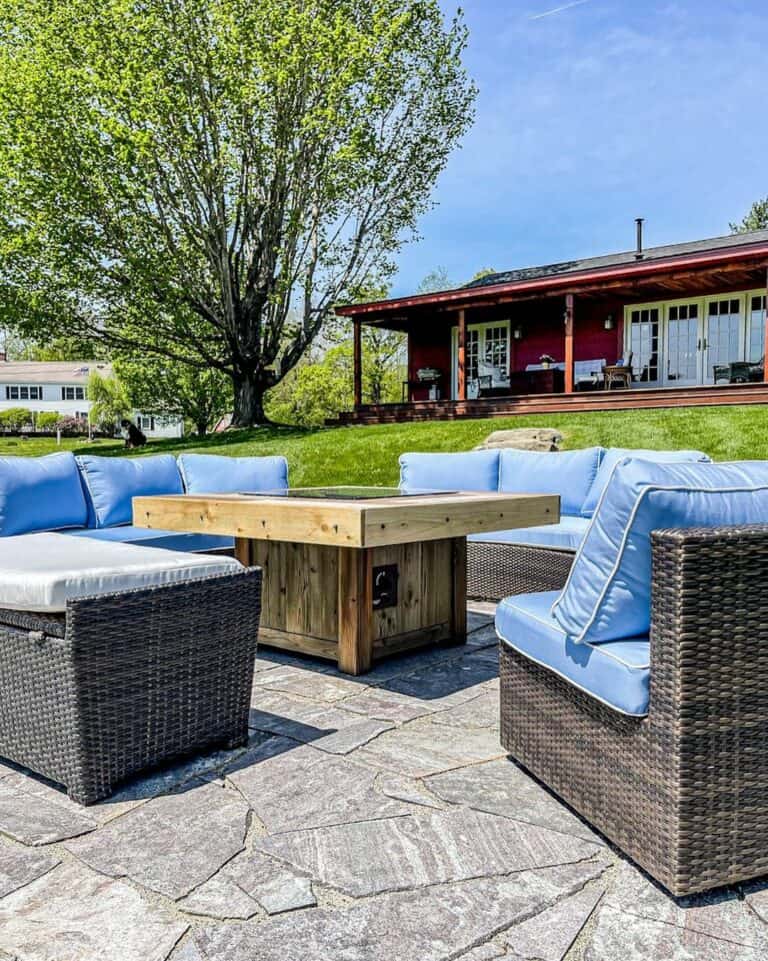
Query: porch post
(461, 357)
(357, 363)
(765, 341)
(569, 343)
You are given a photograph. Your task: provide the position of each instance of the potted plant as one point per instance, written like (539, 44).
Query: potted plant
(546, 361)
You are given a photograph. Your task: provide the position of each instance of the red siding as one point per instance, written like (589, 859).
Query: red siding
(430, 346)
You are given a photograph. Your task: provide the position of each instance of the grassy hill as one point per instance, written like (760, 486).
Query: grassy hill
(368, 455)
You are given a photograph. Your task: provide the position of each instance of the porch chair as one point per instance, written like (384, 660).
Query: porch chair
(639, 693)
(619, 373)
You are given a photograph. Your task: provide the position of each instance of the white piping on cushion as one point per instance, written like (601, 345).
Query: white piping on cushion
(570, 680)
(594, 647)
(579, 638)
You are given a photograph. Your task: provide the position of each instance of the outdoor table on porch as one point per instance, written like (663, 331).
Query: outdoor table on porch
(353, 574)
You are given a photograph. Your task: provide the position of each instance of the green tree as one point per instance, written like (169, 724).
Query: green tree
(755, 219)
(436, 280)
(14, 418)
(205, 179)
(110, 402)
(170, 388)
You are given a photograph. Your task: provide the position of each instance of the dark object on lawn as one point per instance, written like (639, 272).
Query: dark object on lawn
(133, 436)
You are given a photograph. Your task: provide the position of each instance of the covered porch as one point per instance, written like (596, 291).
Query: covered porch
(679, 330)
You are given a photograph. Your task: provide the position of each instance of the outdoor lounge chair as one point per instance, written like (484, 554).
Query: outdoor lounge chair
(640, 693)
(528, 559)
(116, 658)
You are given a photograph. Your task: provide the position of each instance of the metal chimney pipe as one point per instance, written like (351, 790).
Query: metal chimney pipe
(639, 221)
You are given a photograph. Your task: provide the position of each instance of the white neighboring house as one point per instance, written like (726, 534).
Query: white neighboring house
(62, 386)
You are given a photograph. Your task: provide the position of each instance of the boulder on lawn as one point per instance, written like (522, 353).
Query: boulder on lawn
(523, 438)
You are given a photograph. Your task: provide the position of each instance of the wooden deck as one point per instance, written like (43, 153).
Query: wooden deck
(532, 404)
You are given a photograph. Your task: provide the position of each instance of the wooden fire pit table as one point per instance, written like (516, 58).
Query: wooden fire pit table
(353, 574)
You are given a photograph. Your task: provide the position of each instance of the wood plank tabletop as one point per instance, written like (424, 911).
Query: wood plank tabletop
(345, 523)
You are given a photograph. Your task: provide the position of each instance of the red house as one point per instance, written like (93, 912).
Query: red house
(683, 324)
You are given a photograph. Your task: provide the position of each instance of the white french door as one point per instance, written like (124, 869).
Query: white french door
(723, 340)
(486, 354)
(684, 342)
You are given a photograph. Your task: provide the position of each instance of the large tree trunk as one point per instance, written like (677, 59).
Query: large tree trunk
(249, 389)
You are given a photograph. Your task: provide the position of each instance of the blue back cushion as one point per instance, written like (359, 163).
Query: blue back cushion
(111, 483)
(613, 455)
(568, 473)
(214, 474)
(608, 593)
(475, 470)
(40, 494)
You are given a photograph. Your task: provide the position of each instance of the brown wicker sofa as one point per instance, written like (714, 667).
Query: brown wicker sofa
(496, 570)
(123, 682)
(683, 791)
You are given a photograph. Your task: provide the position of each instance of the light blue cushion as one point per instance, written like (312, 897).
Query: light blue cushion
(567, 535)
(613, 455)
(616, 673)
(111, 483)
(475, 470)
(567, 473)
(40, 494)
(169, 540)
(608, 593)
(214, 474)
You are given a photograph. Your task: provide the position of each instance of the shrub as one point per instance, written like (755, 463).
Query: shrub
(15, 418)
(47, 420)
(72, 425)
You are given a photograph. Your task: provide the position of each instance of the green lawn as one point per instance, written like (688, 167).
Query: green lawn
(368, 455)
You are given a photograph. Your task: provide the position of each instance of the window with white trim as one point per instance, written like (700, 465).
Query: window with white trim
(23, 392)
(73, 393)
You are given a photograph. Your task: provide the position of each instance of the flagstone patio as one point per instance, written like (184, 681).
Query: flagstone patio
(369, 819)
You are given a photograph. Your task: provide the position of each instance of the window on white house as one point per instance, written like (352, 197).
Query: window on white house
(23, 392)
(145, 422)
(73, 393)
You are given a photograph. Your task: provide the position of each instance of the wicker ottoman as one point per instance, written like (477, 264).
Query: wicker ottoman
(127, 681)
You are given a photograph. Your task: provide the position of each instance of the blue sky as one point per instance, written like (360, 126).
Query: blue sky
(591, 116)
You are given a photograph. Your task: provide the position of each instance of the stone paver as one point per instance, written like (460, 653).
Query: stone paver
(641, 939)
(501, 787)
(431, 925)
(368, 819)
(248, 883)
(33, 813)
(548, 936)
(74, 914)
(323, 726)
(372, 857)
(426, 746)
(303, 788)
(19, 866)
(171, 844)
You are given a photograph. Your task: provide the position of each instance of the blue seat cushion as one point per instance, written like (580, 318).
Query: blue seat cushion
(111, 483)
(216, 474)
(40, 494)
(567, 473)
(169, 540)
(617, 673)
(613, 455)
(608, 593)
(567, 535)
(474, 470)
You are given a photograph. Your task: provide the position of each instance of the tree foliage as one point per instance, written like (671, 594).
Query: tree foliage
(169, 388)
(110, 402)
(322, 386)
(205, 179)
(755, 219)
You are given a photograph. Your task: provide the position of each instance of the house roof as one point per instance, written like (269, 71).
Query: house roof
(620, 259)
(51, 372)
(594, 273)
